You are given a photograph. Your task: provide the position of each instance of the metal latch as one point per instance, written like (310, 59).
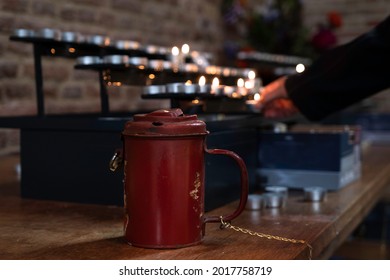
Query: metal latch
(116, 161)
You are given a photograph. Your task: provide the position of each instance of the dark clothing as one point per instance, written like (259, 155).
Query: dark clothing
(344, 75)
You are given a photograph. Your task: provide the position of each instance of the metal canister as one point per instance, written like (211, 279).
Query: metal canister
(164, 174)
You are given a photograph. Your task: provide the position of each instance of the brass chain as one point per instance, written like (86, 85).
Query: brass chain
(268, 236)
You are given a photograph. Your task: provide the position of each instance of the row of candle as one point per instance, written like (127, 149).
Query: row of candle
(243, 88)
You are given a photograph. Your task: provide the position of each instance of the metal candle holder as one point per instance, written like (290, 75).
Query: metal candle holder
(314, 194)
(254, 202)
(274, 200)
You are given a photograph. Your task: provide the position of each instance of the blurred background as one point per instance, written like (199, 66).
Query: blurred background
(223, 28)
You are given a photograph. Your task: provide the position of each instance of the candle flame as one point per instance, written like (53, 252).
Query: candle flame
(249, 84)
(185, 49)
(240, 82)
(251, 75)
(300, 68)
(215, 82)
(175, 51)
(202, 81)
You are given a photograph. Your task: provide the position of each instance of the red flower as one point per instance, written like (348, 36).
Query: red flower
(334, 19)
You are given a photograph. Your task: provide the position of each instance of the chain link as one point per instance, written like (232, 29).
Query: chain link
(268, 236)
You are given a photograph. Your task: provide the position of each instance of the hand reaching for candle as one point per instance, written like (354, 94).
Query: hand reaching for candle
(339, 78)
(274, 102)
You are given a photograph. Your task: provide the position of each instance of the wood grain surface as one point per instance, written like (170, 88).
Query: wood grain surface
(36, 229)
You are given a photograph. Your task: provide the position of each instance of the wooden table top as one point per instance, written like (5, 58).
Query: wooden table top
(36, 229)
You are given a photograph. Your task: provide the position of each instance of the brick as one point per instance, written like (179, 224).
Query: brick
(82, 75)
(92, 91)
(11, 90)
(56, 71)
(50, 90)
(80, 15)
(6, 24)
(3, 139)
(43, 8)
(94, 3)
(13, 137)
(22, 107)
(14, 5)
(134, 6)
(105, 18)
(72, 92)
(24, 50)
(8, 69)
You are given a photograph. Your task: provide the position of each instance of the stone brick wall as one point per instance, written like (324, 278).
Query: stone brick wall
(165, 23)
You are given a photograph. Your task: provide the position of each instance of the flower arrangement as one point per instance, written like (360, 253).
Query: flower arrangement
(274, 26)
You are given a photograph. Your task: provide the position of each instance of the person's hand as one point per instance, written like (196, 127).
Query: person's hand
(274, 102)
(279, 108)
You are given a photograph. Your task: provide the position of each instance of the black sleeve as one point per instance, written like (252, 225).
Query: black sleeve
(344, 75)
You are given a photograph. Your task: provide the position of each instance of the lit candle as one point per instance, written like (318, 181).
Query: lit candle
(300, 68)
(203, 88)
(190, 88)
(175, 58)
(251, 75)
(185, 49)
(251, 104)
(240, 87)
(216, 88)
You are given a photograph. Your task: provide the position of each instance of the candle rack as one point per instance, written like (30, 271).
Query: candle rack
(99, 49)
(72, 151)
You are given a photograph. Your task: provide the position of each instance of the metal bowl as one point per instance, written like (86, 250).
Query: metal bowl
(205, 89)
(99, 40)
(274, 200)
(191, 89)
(154, 89)
(175, 88)
(126, 45)
(314, 194)
(277, 189)
(138, 61)
(152, 49)
(24, 33)
(254, 202)
(72, 37)
(49, 33)
(88, 60)
(156, 64)
(116, 59)
(191, 67)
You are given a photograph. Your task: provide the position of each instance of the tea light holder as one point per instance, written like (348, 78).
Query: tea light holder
(205, 89)
(116, 59)
(229, 90)
(182, 88)
(154, 89)
(218, 90)
(48, 33)
(72, 37)
(99, 40)
(24, 33)
(254, 202)
(314, 194)
(156, 64)
(274, 200)
(138, 61)
(126, 45)
(191, 89)
(175, 88)
(88, 60)
(277, 189)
